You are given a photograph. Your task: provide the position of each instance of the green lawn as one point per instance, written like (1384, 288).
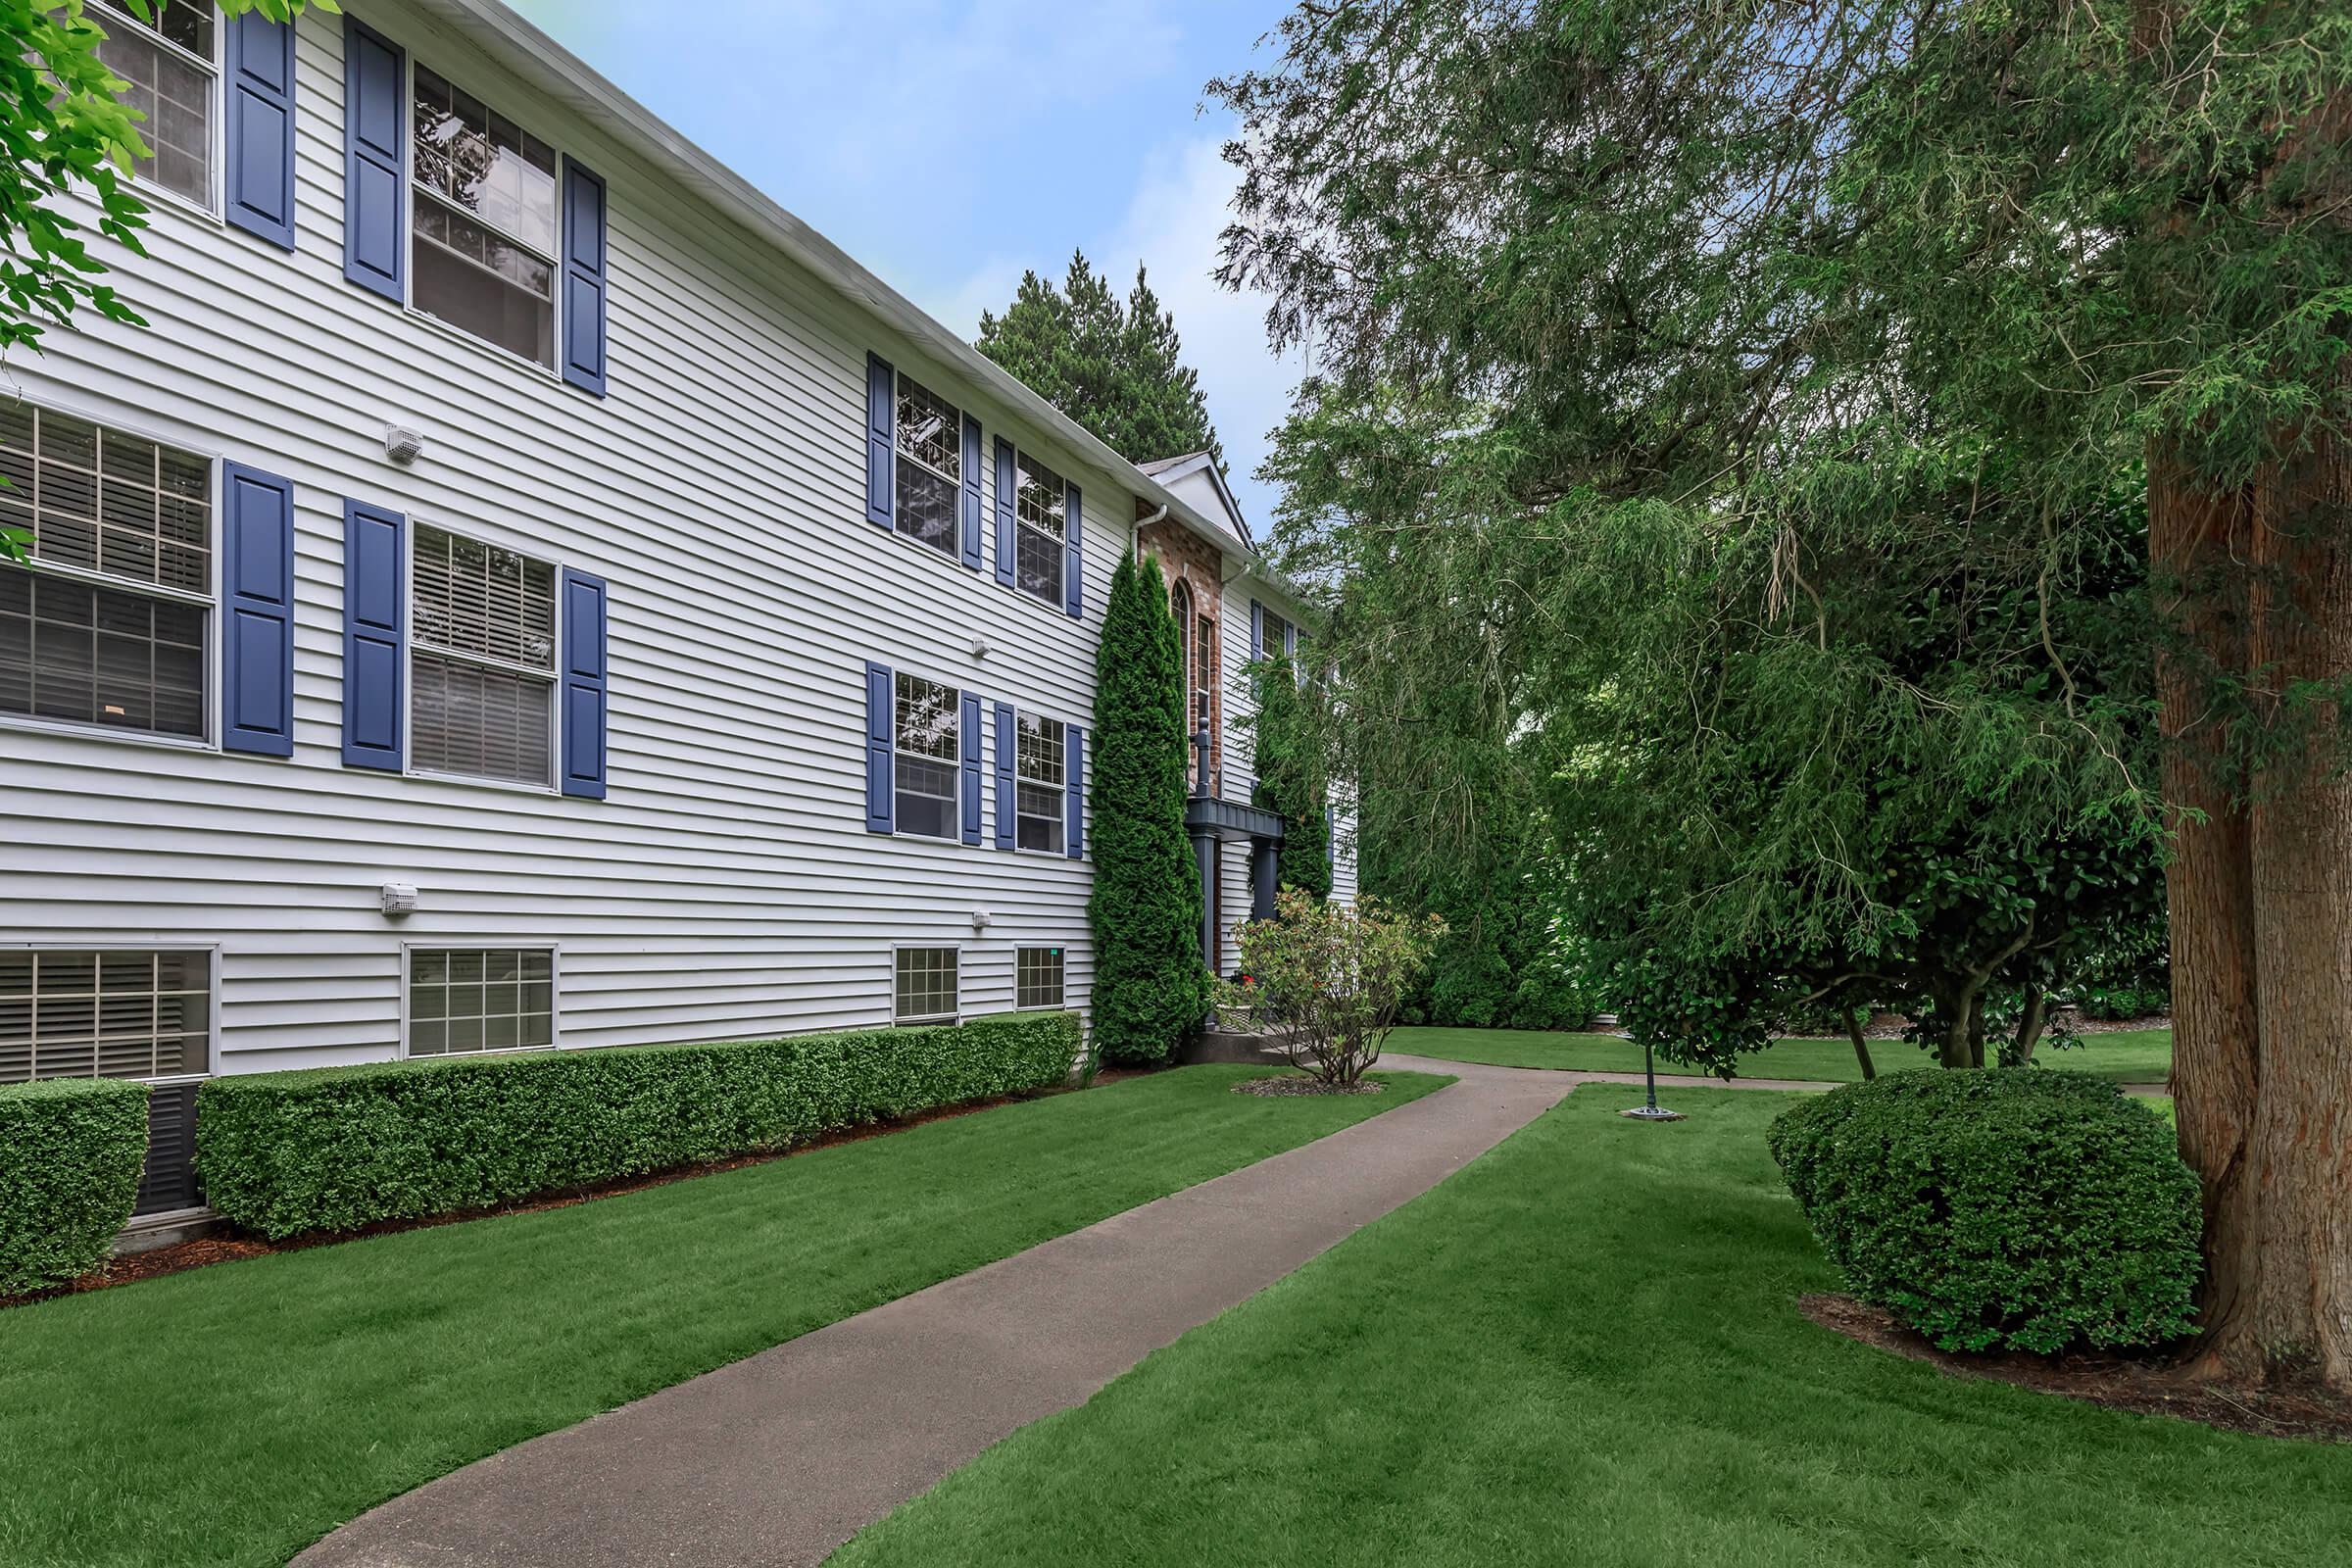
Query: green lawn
(236, 1414)
(2135, 1056)
(1585, 1348)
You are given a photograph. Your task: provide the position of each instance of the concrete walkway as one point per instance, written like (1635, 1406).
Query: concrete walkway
(781, 1458)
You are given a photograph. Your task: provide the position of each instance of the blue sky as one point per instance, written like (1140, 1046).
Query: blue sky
(948, 144)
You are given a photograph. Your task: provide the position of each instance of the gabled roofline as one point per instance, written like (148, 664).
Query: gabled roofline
(562, 75)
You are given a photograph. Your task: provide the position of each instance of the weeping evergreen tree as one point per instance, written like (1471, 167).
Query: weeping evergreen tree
(1150, 985)
(1291, 779)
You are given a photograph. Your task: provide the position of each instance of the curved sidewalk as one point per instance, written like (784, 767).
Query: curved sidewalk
(779, 1459)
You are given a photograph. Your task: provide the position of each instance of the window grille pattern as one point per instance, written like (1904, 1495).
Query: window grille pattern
(925, 985)
(106, 502)
(168, 69)
(104, 1013)
(485, 221)
(482, 666)
(930, 465)
(1038, 977)
(1038, 797)
(1040, 508)
(926, 738)
(467, 1000)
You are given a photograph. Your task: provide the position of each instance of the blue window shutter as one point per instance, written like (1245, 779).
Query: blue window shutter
(376, 160)
(257, 582)
(258, 87)
(1006, 483)
(583, 278)
(881, 414)
(879, 818)
(1073, 571)
(1006, 733)
(971, 492)
(1074, 771)
(374, 628)
(586, 684)
(971, 766)
(1257, 631)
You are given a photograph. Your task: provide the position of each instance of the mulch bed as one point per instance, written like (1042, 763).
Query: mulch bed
(181, 1256)
(1270, 1086)
(2140, 1387)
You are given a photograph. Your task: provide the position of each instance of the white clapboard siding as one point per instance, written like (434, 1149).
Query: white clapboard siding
(727, 887)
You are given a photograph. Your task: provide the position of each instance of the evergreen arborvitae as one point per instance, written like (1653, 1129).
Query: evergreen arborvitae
(1116, 367)
(1149, 984)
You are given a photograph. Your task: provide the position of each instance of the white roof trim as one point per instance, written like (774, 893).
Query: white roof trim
(555, 71)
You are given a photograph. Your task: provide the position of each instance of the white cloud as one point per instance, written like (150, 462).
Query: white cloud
(1171, 224)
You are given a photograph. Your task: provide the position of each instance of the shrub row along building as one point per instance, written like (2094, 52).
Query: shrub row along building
(524, 589)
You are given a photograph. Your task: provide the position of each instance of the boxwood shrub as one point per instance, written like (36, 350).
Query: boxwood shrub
(335, 1149)
(2018, 1208)
(71, 1150)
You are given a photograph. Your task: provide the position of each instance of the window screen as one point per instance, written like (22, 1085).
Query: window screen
(925, 985)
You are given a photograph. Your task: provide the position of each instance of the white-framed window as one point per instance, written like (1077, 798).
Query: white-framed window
(467, 1001)
(1037, 977)
(109, 625)
(171, 66)
(926, 738)
(924, 984)
(930, 466)
(105, 1012)
(481, 660)
(1040, 759)
(1041, 527)
(483, 220)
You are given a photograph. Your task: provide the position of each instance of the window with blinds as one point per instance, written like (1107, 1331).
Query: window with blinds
(467, 1000)
(168, 66)
(1037, 977)
(1039, 764)
(104, 1013)
(1040, 509)
(482, 660)
(108, 625)
(925, 985)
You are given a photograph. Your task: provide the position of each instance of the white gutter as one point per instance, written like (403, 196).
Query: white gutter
(562, 75)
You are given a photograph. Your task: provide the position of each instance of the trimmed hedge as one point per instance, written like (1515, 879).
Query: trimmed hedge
(70, 1152)
(334, 1148)
(2017, 1207)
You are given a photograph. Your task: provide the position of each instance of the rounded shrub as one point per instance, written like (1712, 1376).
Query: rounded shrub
(2014, 1208)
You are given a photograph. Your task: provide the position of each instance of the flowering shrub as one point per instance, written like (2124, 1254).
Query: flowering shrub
(1326, 979)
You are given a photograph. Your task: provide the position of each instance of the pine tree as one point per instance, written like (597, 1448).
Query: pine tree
(1116, 367)
(1150, 985)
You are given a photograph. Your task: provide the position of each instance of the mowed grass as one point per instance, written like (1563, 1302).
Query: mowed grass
(1585, 1347)
(233, 1414)
(2133, 1057)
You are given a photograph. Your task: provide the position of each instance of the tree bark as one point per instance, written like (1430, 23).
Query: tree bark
(2297, 1319)
(2029, 1027)
(1854, 1032)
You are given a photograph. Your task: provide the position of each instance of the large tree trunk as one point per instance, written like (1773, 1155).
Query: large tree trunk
(2197, 541)
(2297, 1318)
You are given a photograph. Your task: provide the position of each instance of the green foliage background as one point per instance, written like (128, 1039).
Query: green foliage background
(1150, 986)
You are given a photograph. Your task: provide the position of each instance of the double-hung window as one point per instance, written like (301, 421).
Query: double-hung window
(485, 235)
(1039, 761)
(483, 660)
(170, 65)
(925, 734)
(1037, 977)
(930, 465)
(924, 987)
(1040, 524)
(107, 626)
